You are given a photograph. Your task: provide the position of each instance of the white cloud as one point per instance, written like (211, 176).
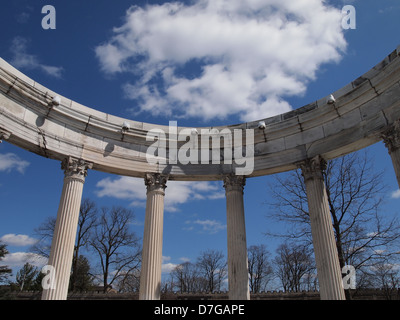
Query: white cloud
(207, 226)
(372, 234)
(184, 259)
(19, 240)
(22, 59)
(24, 16)
(18, 259)
(11, 161)
(212, 59)
(396, 194)
(177, 192)
(167, 267)
(122, 188)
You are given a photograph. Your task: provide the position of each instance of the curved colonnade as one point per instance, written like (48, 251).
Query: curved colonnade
(360, 114)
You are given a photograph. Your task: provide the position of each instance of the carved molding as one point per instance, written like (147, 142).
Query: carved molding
(391, 137)
(4, 135)
(155, 181)
(234, 183)
(313, 168)
(75, 168)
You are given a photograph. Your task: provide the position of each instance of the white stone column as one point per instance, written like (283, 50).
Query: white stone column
(150, 277)
(238, 272)
(62, 247)
(325, 250)
(392, 140)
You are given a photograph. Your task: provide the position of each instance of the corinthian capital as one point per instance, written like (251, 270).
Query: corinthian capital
(4, 135)
(234, 183)
(391, 137)
(75, 168)
(155, 181)
(313, 168)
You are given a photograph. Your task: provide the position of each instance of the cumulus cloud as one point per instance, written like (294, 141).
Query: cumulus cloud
(213, 59)
(19, 240)
(24, 60)
(396, 194)
(166, 266)
(179, 192)
(18, 259)
(122, 188)
(11, 161)
(206, 226)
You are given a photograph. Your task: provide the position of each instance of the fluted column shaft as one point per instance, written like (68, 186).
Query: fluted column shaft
(238, 276)
(62, 247)
(325, 250)
(392, 140)
(150, 277)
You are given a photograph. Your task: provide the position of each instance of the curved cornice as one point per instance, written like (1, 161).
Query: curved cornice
(362, 111)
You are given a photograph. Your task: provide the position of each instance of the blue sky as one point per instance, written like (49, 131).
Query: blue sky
(201, 63)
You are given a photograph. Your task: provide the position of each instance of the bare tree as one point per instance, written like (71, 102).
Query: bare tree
(45, 231)
(86, 223)
(294, 267)
(355, 194)
(87, 219)
(384, 275)
(185, 277)
(168, 285)
(44, 234)
(116, 246)
(260, 269)
(212, 267)
(129, 282)
(388, 279)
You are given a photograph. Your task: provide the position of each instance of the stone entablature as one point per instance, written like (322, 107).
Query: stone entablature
(57, 128)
